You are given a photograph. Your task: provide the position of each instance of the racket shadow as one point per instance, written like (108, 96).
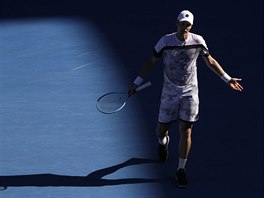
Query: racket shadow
(93, 179)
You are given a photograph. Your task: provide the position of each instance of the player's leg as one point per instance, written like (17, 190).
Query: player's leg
(167, 113)
(185, 141)
(163, 140)
(185, 130)
(162, 130)
(188, 114)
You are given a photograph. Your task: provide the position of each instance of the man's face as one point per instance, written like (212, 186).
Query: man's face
(183, 27)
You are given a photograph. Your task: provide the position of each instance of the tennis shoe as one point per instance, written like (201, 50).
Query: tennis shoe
(181, 178)
(164, 150)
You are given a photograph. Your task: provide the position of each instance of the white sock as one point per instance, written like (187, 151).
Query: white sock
(163, 141)
(182, 163)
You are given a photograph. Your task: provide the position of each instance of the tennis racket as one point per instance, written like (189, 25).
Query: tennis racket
(115, 101)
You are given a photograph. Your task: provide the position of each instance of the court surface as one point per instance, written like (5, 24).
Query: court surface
(55, 63)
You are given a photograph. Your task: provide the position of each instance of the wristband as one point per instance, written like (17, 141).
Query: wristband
(226, 77)
(138, 81)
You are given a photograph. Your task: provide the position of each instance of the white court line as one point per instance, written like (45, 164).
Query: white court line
(79, 67)
(85, 65)
(90, 52)
(86, 53)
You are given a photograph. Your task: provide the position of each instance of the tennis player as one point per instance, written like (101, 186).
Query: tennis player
(179, 97)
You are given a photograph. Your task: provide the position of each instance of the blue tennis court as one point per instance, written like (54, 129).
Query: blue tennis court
(58, 58)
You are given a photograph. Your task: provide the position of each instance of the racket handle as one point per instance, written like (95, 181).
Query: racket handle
(147, 84)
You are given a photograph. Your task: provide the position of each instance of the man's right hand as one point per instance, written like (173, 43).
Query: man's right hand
(132, 89)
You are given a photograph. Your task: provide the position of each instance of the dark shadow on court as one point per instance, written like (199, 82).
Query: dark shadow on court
(93, 179)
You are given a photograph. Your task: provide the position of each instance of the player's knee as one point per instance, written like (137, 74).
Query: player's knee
(185, 126)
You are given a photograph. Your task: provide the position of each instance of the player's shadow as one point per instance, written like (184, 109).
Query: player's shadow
(93, 179)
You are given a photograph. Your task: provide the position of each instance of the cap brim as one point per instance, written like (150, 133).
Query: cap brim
(184, 19)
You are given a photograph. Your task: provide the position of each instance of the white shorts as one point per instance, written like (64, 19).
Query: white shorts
(173, 107)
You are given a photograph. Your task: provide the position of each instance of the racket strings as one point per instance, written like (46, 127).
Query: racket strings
(112, 102)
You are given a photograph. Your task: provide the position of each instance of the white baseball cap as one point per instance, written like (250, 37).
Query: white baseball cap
(186, 15)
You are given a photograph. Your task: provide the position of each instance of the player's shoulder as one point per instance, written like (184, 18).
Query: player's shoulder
(196, 38)
(169, 36)
(173, 34)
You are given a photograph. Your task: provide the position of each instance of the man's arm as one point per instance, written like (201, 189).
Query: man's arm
(216, 68)
(147, 67)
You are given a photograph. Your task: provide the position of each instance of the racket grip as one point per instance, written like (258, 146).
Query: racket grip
(147, 84)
